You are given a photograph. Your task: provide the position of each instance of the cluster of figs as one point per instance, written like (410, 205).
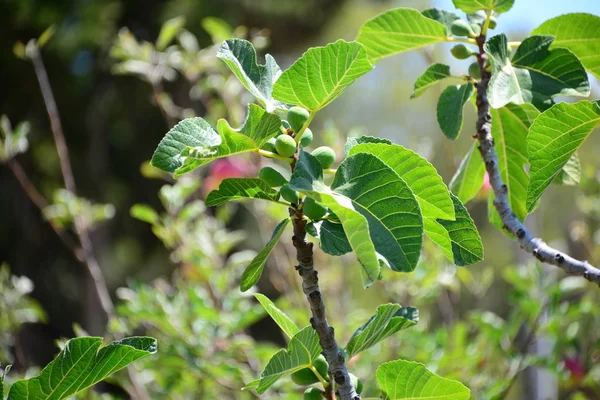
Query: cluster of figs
(285, 145)
(306, 376)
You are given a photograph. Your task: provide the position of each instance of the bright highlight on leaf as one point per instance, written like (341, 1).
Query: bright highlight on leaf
(232, 189)
(322, 74)
(468, 179)
(471, 6)
(282, 320)
(405, 380)
(553, 138)
(399, 30)
(81, 364)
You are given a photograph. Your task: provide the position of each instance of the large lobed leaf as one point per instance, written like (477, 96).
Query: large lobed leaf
(578, 32)
(302, 351)
(535, 74)
(404, 380)
(81, 364)
(240, 57)
(322, 74)
(553, 139)
(232, 189)
(468, 179)
(388, 319)
(253, 272)
(399, 30)
(471, 6)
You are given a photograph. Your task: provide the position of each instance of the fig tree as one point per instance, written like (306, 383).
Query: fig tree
(313, 394)
(461, 28)
(313, 209)
(474, 71)
(307, 138)
(272, 177)
(297, 117)
(325, 155)
(285, 145)
(270, 145)
(462, 52)
(306, 376)
(289, 194)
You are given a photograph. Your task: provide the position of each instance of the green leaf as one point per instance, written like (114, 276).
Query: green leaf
(232, 189)
(333, 239)
(322, 74)
(471, 6)
(443, 17)
(2, 377)
(388, 319)
(218, 29)
(420, 176)
(570, 174)
(308, 178)
(434, 74)
(355, 141)
(240, 57)
(388, 204)
(168, 31)
(450, 108)
(468, 179)
(578, 32)
(404, 380)
(302, 351)
(256, 130)
(553, 138)
(535, 75)
(509, 129)
(253, 272)
(145, 213)
(284, 322)
(399, 30)
(81, 364)
(459, 240)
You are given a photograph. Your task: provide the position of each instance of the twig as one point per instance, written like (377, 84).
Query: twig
(310, 287)
(536, 246)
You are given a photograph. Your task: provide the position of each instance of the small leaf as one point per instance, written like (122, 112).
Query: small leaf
(459, 240)
(253, 272)
(333, 239)
(406, 380)
(578, 32)
(570, 174)
(169, 31)
(388, 319)
(536, 74)
(434, 74)
(399, 30)
(308, 179)
(81, 364)
(450, 108)
(553, 138)
(355, 141)
(302, 351)
(46, 36)
(232, 189)
(471, 6)
(322, 74)
(468, 179)
(388, 204)
(282, 320)
(145, 213)
(442, 16)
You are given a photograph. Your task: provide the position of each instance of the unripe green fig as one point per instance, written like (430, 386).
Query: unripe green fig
(313, 209)
(272, 177)
(270, 145)
(461, 28)
(325, 155)
(285, 145)
(286, 125)
(313, 394)
(357, 383)
(297, 117)
(476, 28)
(306, 376)
(289, 194)
(474, 71)
(462, 52)
(493, 22)
(307, 138)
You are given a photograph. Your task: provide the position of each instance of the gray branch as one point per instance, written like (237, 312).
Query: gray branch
(533, 245)
(310, 286)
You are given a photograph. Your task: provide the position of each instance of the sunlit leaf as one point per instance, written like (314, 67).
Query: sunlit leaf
(404, 380)
(570, 174)
(399, 30)
(471, 6)
(468, 179)
(232, 189)
(168, 31)
(322, 74)
(388, 319)
(145, 213)
(434, 74)
(553, 138)
(450, 108)
(282, 320)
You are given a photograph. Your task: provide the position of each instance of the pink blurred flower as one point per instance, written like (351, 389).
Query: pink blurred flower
(227, 168)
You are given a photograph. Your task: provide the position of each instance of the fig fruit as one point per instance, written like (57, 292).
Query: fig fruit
(325, 155)
(272, 177)
(297, 117)
(270, 145)
(289, 194)
(307, 138)
(474, 71)
(313, 394)
(462, 52)
(313, 209)
(476, 28)
(493, 22)
(285, 145)
(358, 385)
(461, 28)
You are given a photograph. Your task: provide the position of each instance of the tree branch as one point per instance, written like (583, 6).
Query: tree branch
(536, 246)
(310, 286)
